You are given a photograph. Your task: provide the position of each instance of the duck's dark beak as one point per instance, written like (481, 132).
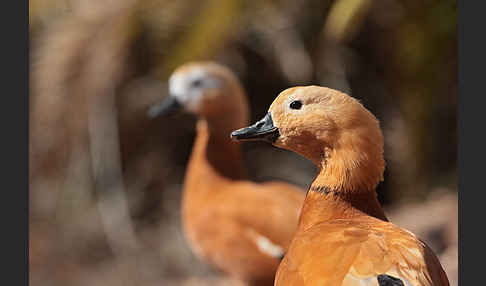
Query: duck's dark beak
(168, 106)
(262, 130)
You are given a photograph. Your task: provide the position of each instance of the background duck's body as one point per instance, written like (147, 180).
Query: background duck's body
(239, 227)
(343, 237)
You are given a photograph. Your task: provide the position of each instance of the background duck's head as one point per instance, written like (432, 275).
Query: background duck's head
(205, 89)
(328, 127)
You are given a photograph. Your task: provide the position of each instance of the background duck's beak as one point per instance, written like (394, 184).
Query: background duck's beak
(262, 130)
(167, 106)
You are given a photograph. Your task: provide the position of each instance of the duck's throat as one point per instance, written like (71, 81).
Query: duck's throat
(214, 154)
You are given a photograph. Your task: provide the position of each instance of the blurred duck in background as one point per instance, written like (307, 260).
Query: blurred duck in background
(237, 226)
(343, 237)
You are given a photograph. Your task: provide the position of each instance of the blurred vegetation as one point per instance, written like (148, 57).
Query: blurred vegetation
(105, 180)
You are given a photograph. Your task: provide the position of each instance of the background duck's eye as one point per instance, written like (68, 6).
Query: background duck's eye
(296, 104)
(196, 83)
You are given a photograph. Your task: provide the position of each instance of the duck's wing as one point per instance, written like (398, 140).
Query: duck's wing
(246, 228)
(233, 248)
(360, 253)
(275, 211)
(268, 213)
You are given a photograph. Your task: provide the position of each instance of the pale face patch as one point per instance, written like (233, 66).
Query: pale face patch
(189, 87)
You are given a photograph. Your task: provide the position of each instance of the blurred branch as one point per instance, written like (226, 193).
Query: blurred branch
(282, 43)
(106, 166)
(76, 102)
(206, 35)
(345, 19)
(104, 71)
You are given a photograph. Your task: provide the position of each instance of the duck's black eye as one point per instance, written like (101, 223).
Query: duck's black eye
(296, 104)
(197, 83)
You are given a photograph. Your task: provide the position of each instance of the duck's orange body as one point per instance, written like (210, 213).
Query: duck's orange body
(240, 227)
(343, 237)
(354, 248)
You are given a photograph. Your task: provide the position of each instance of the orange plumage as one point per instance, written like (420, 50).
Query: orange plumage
(237, 226)
(343, 237)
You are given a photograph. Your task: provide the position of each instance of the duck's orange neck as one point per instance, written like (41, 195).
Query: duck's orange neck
(215, 153)
(344, 187)
(215, 157)
(324, 202)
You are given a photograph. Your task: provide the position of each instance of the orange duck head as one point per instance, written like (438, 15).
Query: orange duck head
(331, 129)
(205, 89)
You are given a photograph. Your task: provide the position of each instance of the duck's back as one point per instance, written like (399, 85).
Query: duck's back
(362, 251)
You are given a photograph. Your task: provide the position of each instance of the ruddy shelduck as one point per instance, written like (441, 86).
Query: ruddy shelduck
(343, 237)
(238, 226)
